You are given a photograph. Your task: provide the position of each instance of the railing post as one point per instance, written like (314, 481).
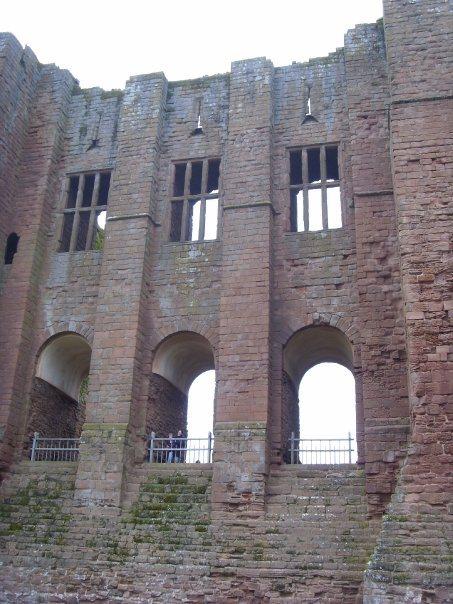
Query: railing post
(34, 444)
(151, 446)
(209, 446)
(350, 447)
(292, 448)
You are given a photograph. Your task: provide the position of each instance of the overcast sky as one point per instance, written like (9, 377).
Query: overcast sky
(104, 42)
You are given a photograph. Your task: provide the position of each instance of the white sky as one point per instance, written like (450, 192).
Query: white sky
(104, 42)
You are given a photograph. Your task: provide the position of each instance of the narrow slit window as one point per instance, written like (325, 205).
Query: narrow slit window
(85, 207)
(315, 194)
(195, 216)
(11, 247)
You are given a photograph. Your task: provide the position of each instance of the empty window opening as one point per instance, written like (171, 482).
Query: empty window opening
(297, 210)
(65, 241)
(179, 181)
(213, 176)
(195, 216)
(88, 188)
(104, 187)
(295, 159)
(315, 196)
(99, 236)
(327, 415)
(332, 173)
(176, 220)
(82, 231)
(11, 247)
(72, 192)
(210, 225)
(314, 165)
(194, 220)
(85, 206)
(181, 399)
(314, 210)
(333, 208)
(195, 178)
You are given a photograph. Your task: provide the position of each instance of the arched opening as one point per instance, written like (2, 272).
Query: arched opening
(319, 398)
(57, 397)
(181, 397)
(11, 247)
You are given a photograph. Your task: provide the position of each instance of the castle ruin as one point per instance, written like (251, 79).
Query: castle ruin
(213, 257)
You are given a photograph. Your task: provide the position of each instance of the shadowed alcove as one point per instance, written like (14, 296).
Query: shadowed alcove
(57, 406)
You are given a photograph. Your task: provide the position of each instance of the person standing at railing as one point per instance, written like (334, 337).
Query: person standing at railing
(171, 446)
(181, 444)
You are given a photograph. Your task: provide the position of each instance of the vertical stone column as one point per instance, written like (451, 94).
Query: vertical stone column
(116, 407)
(382, 346)
(240, 461)
(33, 198)
(414, 540)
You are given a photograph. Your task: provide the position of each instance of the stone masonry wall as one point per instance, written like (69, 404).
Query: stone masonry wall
(413, 557)
(381, 280)
(167, 408)
(165, 546)
(52, 413)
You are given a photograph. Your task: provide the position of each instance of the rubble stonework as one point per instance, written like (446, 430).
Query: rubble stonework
(155, 313)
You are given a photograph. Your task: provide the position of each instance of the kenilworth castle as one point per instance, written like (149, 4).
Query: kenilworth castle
(257, 222)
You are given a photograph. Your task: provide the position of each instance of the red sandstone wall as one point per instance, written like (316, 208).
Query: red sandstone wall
(381, 279)
(167, 408)
(52, 413)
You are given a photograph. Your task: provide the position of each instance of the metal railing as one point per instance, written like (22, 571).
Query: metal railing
(54, 449)
(325, 451)
(180, 450)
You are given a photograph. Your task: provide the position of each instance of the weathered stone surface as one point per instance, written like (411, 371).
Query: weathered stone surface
(112, 527)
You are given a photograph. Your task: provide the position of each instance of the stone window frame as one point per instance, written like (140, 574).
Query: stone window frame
(305, 186)
(79, 209)
(185, 200)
